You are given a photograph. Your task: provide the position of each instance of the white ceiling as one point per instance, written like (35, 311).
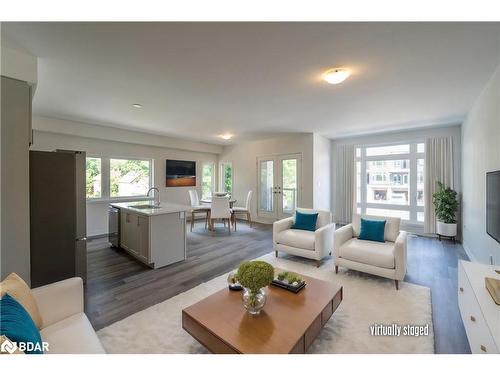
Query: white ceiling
(197, 80)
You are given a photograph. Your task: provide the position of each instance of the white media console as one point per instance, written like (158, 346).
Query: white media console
(480, 314)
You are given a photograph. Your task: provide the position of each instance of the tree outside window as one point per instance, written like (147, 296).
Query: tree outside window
(109, 178)
(227, 177)
(289, 189)
(129, 177)
(207, 180)
(93, 175)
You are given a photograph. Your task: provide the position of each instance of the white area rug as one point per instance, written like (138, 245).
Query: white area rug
(367, 300)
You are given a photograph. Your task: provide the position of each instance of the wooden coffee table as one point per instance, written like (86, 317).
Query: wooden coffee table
(289, 322)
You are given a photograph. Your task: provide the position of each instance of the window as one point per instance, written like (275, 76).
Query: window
(420, 181)
(390, 180)
(289, 176)
(93, 169)
(266, 190)
(129, 177)
(118, 178)
(226, 177)
(388, 150)
(387, 174)
(380, 195)
(207, 180)
(405, 215)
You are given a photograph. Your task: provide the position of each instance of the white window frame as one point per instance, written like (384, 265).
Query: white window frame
(106, 179)
(412, 156)
(214, 172)
(221, 175)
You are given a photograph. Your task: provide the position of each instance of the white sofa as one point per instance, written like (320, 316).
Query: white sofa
(312, 245)
(386, 259)
(65, 326)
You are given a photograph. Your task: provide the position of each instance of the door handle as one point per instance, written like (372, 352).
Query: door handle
(82, 239)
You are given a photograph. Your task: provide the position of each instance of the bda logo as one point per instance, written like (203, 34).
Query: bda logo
(8, 346)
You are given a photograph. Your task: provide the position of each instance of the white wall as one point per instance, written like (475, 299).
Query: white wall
(17, 63)
(403, 136)
(480, 154)
(322, 168)
(244, 158)
(97, 220)
(86, 130)
(15, 130)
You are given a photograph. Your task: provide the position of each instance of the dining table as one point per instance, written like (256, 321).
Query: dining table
(232, 201)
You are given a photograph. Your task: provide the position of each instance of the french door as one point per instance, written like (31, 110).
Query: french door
(278, 185)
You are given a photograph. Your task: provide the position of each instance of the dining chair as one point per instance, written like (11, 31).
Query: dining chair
(196, 207)
(220, 210)
(244, 210)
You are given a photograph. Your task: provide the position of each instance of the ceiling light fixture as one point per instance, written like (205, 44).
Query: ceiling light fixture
(137, 105)
(226, 137)
(336, 75)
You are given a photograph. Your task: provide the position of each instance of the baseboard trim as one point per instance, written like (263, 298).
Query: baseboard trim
(97, 236)
(264, 220)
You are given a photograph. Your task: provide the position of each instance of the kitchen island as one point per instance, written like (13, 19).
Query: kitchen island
(153, 234)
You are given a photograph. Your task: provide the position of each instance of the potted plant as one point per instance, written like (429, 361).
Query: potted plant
(446, 205)
(254, 276)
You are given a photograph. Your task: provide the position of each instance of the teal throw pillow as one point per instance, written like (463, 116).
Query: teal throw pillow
(305, 221)
(17, 325)
(372, 230)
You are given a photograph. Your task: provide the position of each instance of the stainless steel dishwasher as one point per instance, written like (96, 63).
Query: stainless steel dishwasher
(114, 226)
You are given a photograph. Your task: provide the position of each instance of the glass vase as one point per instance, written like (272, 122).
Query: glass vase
(254, 301)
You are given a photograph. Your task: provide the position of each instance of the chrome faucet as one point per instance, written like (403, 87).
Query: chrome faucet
(156, 197)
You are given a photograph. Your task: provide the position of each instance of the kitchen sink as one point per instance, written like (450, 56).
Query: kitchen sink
(144, 206)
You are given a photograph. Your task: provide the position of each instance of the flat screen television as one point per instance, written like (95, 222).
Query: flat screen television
(181, 173)
(493, 204)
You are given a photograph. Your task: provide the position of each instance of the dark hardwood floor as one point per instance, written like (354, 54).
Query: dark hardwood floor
(119, 286)
(434, 264)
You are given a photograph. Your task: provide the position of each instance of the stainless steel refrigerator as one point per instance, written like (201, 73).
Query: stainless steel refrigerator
(58, 226)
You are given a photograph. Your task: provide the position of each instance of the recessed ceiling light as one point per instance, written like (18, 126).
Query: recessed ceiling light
(137, 105)
(336, 75)
(226, 136)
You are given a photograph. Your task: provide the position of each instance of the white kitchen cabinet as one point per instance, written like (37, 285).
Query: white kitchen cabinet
(143, 248)
(156, 240)
(130, 232)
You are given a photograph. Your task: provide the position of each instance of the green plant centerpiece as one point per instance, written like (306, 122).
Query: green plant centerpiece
(254, 276)
(290, 277)
(446, 205)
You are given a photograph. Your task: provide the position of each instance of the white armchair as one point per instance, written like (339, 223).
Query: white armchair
(65, 326)
(386, 259)
(312, 245)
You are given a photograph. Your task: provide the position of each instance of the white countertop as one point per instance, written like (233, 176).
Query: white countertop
(165, 208)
